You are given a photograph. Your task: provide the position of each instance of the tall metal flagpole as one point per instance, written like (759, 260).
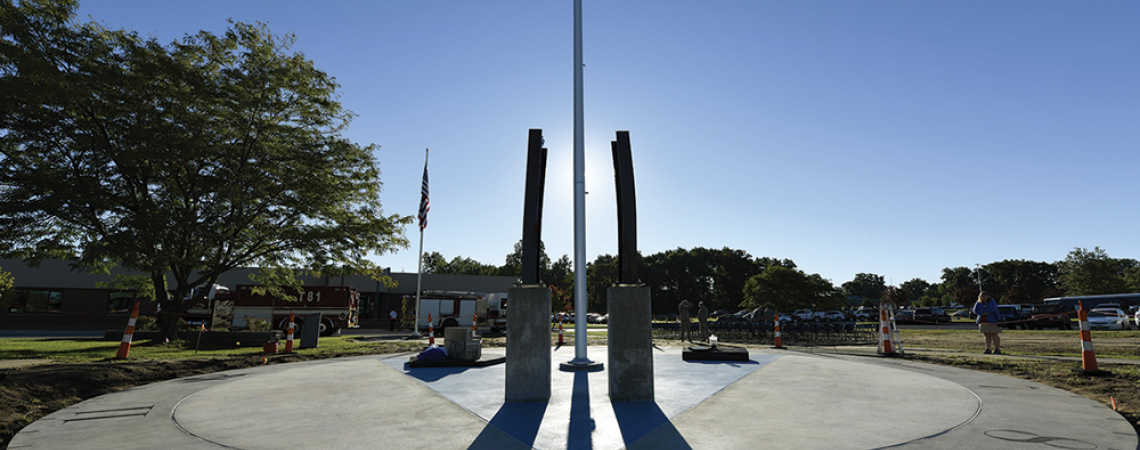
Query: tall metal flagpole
(579, 200)
(420, 258)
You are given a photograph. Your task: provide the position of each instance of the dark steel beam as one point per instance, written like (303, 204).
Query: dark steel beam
(532, 209)
(627, 209)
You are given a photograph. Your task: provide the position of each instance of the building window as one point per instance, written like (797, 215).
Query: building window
(35, 302)
(120, 302)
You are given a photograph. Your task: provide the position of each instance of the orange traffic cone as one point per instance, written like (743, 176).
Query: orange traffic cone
(431, 332)
(289, 334)
(1088, 358)
(886, 344)
(125, 346)
(559, 330)
(474, 323)
(779, 338)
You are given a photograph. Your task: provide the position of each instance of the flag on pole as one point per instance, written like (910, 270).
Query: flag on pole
(425, 206)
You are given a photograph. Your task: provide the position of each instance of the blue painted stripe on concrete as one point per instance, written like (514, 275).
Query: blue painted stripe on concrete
(579, 414)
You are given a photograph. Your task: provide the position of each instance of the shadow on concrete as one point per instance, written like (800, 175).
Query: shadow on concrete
(519, 420)
(582, 424)
(726, 363)
(429, 374)
(637, 419)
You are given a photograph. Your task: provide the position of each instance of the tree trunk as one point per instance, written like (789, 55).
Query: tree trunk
(168, 326)
(168, 317)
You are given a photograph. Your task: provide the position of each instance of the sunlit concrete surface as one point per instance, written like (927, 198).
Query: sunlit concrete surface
(778, 399)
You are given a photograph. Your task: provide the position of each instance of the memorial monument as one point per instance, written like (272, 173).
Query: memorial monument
(528, 329)
(630, 342)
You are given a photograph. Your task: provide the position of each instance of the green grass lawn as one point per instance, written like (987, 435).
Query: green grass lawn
(86, 350)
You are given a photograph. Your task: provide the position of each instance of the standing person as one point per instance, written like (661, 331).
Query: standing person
(703, 318)
(686, 320)
(392, 323)
(989, 316)
(769, 315)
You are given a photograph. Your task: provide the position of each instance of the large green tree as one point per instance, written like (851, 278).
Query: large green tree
(959, 285)
(601, 274)
(789, 289)
(715, 277)
(1018, 280)
(1132, 278)
(865, 285)
(915, 288)
(558, 275)
(189, 159)
(435, 263)
(1085, 272)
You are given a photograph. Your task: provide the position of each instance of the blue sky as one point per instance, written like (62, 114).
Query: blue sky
(886, 137)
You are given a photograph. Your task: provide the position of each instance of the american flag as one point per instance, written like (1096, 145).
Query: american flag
(425, 206)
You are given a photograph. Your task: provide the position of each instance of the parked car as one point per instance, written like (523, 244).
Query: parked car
(1050, 316)
(833, 316)
(1109, 319)
(867, 313)
(1012, 317)
(720, 312)
(904, 316)
(961, 314)
(807, 315)
(731, 318)
(933, 315)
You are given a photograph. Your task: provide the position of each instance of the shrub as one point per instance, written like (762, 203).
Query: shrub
(257, 323)
(146, 323)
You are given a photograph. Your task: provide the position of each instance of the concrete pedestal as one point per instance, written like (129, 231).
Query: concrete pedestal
(528, 345)
(461, 344)
(630, 343)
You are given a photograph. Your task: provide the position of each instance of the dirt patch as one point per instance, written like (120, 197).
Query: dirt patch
(28, 393)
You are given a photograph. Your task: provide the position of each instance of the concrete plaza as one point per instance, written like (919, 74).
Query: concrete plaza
(777, 399)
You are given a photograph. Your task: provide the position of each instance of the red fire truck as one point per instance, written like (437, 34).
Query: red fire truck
(338, 306)
(497, 311)
(451, 309)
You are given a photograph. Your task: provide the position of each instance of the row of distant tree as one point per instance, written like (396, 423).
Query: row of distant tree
(733, 279)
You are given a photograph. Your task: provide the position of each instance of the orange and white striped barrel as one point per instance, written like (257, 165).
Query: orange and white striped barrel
(779, 337)
(559, 330)
(289, 334)
(886, 344)
(125, 346)
(1088, 358)
(474, 323)
(431, 331)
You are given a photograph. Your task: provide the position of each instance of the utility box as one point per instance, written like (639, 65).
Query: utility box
(310, 330)
(461, 344)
